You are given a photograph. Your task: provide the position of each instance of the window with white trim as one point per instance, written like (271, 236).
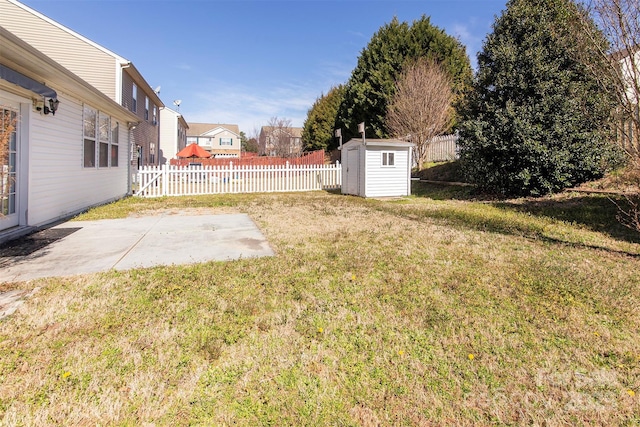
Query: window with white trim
(226, 141)
(152, 153)
(104, 137)
(388, 158)
(146, 108)
(100, 139)
(90, 121)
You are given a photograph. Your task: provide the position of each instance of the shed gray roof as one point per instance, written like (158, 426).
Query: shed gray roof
(397, 143)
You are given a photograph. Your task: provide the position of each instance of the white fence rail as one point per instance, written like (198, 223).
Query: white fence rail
(167, 180)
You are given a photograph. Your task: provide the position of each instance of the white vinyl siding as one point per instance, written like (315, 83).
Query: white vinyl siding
(383, 181)
(58, 185)
(169, 135)
(90, 63)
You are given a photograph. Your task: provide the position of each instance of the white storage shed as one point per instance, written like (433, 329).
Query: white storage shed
(376, 167)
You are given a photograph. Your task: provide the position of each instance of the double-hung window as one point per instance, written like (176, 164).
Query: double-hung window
(226, 141)
(388, 159)
(104, 137)
(115, 139)
(90, 126)
(100, 139)
(146, 108)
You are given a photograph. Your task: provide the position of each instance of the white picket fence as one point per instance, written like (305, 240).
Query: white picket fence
(167, 180)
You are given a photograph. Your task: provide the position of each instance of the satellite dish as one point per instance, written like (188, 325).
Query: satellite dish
(157, 90)
(177, 103)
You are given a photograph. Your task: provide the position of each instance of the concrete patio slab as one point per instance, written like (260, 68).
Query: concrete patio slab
(81, 247)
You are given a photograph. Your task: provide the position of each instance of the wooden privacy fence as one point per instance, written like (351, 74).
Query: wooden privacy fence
(167, 180)
(249, 159)
(442, 148)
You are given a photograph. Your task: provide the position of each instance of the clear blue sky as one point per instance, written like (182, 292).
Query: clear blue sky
(243, 61)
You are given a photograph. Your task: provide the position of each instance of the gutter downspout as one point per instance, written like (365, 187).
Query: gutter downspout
(119, 80)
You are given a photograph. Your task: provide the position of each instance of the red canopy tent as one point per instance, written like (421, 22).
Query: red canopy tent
(194, 150)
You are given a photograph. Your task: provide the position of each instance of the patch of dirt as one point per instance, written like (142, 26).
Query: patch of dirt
(31, 243)
(622, 183)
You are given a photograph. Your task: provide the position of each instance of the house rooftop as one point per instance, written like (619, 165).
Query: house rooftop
(196, 129)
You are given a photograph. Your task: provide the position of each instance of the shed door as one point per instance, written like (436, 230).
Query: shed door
(353, 171)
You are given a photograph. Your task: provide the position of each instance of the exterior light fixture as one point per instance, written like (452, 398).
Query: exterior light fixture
(53, 106)
(49, 107)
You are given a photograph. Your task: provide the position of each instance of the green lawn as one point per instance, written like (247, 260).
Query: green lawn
(438, 309)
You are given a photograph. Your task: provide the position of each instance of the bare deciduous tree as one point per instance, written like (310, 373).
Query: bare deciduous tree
(619, 65)
(619, 68)
(421, 107)
(277, 138)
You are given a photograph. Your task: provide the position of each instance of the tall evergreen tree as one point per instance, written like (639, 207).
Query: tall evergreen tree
(373, 82)
(318, 128)
(536, 121)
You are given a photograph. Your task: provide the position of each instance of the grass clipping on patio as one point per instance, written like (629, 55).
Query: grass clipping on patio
(412, 312)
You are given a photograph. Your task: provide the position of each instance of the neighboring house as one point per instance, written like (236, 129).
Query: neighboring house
(280, 142)
(69, 149)
(108, 72)
(221, 140)
(376, 167)
(173, 134)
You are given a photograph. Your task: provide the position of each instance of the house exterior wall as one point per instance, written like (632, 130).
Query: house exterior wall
(59, 184)
(51, 151)
(104, 70)
(173, 134)
(87, 61)
(270, 143)
(169, 138)
(225, 150)
(146, 135)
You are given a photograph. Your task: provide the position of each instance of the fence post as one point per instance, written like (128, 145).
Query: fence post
(287, 175)
(165, 179)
